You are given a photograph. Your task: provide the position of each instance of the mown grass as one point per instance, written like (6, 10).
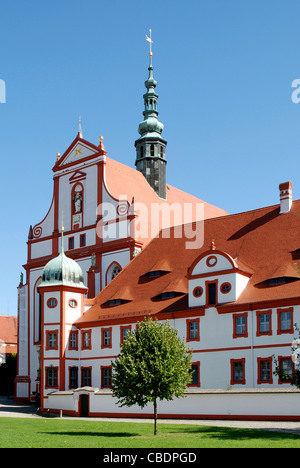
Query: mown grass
(69, 433)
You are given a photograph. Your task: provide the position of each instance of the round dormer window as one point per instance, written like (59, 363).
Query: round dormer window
(52, 302)
(211, 261)
(198, 291)
(225, 288)
(72, 303)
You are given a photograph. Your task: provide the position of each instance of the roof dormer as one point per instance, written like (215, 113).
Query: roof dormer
(215, 278)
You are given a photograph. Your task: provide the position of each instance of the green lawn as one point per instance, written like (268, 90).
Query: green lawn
(58, 433)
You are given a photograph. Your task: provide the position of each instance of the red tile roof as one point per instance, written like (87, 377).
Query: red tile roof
(8, 329)
(262, 242)
(124, 180)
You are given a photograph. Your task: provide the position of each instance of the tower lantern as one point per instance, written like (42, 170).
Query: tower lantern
(151, 147)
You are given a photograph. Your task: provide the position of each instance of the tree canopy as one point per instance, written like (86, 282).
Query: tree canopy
(154, 364)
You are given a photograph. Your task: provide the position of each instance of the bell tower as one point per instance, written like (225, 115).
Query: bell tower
(151, 147)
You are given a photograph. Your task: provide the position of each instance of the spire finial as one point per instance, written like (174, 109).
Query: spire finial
(150, 40)
(79, 127)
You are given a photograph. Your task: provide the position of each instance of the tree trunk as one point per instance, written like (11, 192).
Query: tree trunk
(155, 417)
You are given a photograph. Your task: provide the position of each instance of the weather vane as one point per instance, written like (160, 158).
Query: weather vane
(150, 40)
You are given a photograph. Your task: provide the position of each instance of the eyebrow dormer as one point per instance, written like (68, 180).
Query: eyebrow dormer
(215, 278)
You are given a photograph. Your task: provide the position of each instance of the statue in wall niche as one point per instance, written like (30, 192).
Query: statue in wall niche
(77, 202)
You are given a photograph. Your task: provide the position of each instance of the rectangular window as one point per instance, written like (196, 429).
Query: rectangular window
(195, 371)
(285, 320)
(73, 377)
(263, 321)
(240, 328)
(264, 371)
(106, 338)
(192, 330)
(82, 240)
(237, 371)
(124, 332)
(51, 339)
(211, 293)
(71, 243)
(73, 343)
(86, 376)
(51, 377)
(287, 365)
(106, 376)
(86, 339)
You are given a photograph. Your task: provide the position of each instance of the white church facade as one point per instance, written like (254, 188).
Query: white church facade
(233, 296)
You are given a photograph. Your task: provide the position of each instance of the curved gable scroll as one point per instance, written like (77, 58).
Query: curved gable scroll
(211, 261)
(215, 278)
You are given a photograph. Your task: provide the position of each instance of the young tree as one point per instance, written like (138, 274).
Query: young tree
(154, 364)
(292, 375)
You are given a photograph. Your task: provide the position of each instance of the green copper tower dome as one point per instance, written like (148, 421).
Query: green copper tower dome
(151, 147)
(62, 270)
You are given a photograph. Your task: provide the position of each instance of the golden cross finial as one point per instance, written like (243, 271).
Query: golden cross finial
(149, 40)
(79, 125)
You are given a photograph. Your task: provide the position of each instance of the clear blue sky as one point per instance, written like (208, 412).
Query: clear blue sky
(224, 70)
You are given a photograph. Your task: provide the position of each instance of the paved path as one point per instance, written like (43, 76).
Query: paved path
(8, 408)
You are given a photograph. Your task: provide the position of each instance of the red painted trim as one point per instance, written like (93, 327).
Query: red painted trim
(259, 361)
(258, 314)
(235, 334)
(237, 382)
(271, 304)
(280, 359)
(207, 283)
(279, 312)
(75, 332)
(124, 327)
(86, 368)
(198, 289)
(57, 378)
(211, 261)
(107, 270)
(72, 367)
(225, 417)
(52, 306)
(188, 322)
(223, 286)
(82, 339)
(80, 405)
(102, 379)
(48, 348)
(77, 176)
(103, 330)
(58, 165)
(208, 253)
(219, 273)
(197, 363)
(72, 211)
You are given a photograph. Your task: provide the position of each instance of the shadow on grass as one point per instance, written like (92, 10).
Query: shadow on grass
(234, 433)
(89, 434)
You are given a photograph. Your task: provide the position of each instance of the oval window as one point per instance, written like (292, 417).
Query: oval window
(198, 291)
(211, 261)
(72, 303)
(225, 288)
(52, 302)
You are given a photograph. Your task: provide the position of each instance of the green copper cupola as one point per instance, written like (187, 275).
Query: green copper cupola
(151, 147)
